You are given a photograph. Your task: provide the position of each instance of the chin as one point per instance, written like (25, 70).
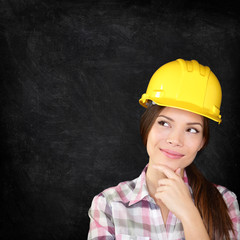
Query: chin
(172, 166)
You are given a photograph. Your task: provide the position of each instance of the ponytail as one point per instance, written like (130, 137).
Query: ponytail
(210, 204)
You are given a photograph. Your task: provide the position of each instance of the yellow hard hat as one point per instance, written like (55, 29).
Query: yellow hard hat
(186, 85)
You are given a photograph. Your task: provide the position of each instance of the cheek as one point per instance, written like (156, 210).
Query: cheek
(150, 144)
(194, 145)
(155, 138)
(151, 141)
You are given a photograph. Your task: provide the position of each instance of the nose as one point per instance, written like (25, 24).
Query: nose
(175, 138)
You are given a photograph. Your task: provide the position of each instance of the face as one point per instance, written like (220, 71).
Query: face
(175, 138)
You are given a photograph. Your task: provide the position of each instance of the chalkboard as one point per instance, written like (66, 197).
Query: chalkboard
(72, 73)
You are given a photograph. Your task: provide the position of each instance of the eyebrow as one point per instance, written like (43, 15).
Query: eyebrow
(190, 123)
(170, 119)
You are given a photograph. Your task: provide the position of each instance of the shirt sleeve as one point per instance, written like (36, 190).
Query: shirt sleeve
(233, 209)
(101, 224)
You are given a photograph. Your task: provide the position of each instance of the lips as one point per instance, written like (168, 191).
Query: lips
(171, 154)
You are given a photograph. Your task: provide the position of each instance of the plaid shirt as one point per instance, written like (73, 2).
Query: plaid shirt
(128, 212)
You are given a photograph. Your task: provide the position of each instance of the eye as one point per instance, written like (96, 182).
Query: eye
(192, 130)
(163, 123)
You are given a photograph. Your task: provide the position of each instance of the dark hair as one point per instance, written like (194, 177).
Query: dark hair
(207, 198)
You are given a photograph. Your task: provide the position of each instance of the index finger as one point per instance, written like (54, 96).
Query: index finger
(167, 171)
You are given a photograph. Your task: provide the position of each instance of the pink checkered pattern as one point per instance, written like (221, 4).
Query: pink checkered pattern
(128, 212)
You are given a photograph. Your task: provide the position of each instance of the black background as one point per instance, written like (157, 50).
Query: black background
(71, 76)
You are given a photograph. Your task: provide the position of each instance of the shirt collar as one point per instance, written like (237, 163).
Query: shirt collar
(140, 191)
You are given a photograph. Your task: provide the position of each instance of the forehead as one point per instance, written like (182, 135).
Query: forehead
(181, 115)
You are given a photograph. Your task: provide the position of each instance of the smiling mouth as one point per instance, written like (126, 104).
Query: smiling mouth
(171, 154)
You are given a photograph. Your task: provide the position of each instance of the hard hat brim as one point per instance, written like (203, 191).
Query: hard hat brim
(180, 105)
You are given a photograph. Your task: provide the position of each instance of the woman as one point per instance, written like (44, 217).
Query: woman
(171, 199)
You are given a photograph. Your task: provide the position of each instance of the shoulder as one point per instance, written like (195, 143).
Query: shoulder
(228, 196)
(230, 199)
(119, 193)
(125, 192)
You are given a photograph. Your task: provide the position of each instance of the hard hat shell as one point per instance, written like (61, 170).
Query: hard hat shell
(186, 85)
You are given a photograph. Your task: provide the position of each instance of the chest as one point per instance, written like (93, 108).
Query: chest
(164, 212)
(145, 220)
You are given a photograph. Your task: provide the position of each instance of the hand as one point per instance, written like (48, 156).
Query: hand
(174, 193)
